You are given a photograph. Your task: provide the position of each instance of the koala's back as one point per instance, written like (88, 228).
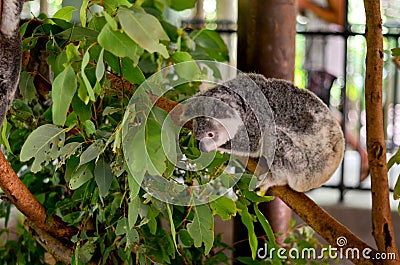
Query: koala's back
(309, 141)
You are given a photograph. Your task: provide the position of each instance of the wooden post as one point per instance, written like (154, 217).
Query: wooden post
(266, 45)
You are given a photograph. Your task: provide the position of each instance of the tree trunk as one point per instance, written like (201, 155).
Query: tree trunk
(381, 218)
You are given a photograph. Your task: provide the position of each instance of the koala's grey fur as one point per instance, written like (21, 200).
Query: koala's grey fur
(308, 140)
(10, 53)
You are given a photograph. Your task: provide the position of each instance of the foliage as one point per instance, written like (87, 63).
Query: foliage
(66, 144)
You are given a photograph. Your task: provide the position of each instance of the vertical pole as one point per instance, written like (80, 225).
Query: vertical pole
(43, 7)
(266, 37)
(266, 45)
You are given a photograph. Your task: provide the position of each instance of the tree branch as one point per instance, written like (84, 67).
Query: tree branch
(381, 217)
(23, 199)
(51, 244)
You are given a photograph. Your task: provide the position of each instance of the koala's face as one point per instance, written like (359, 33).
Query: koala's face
(212, 133)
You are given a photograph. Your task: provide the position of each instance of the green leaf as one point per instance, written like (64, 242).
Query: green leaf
(82, 92)
(188, 70)
(69, 149)
(119, 44)
(4, 133)
(70, 167)
(396, 190)
(133, 211)
(85, 61)
(64, 88)
(134, 186)
(266, 226)
(132, 237)
(92, 152)
(44, 145)
(122, 226)
(202, 228)
(209, 45)
(103, 176)
(83, 110)
(145, 30)
(254, 197)
(396, 52)
(132, 72)
(180, 5)
(72, 53)
(82, 12)
(154, 147)
(86, 252)
(100, 66)
(223, 206)
(172, 226)
(249, 261)
(247, 220)
(184, 238)
(78, 34)
(111, 21)
(395, 159)
(26, 87)
(90, 128)
(65, 13)
(82, 175)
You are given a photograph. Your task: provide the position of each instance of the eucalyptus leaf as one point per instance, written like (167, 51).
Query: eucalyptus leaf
(223, 206)
(82, 12)
(100, 66)
(69, 149)
(266, 226)
(122, 226)
(202, 227)
(396, 190)
(26, 87)
(64, 88)
(44, 145)
(133, 211)
(82, 175)
(132, 237)
(247, 220)
(180, 5)
(103, 176)
(86, 252)
(92, 152)
(144, 29)
(189, 70)
(172, 226)
(119, 44)
(85, 61)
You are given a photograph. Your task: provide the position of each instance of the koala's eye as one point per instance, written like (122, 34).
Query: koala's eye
(210, 134)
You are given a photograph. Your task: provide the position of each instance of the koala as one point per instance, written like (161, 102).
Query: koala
(10, 53)
(296, 133)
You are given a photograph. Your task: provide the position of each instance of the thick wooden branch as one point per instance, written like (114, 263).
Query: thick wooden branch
(55, 247)
(25, 202)
(381, 217)
(323, 223)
